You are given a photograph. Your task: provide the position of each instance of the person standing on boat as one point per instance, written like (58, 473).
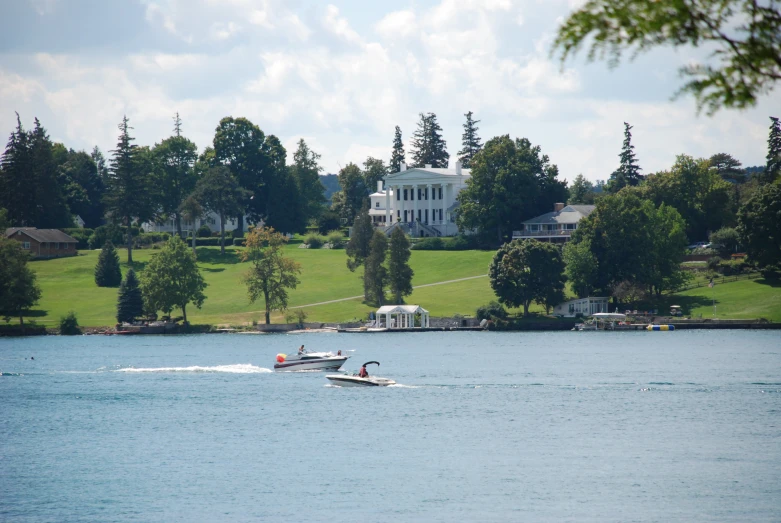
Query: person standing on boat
(301, 349)
(363, 373)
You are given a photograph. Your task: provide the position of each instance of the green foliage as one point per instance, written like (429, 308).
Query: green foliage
(19, 289)
(628, 173)
(399, 271)
(633, 241)
(107, 272)
(306, 172)
(83, 186)
(128, 184)
(726, 241)
(175, 176)
(172, 279)
(581, 192)
(494, 310)
(397, 155)
(582, 268)
(470, 142)
(271, 274)
(69, 325)
(511, 182)
(429, 244)
(314, 241)
(745, 37)
(354, 194)
(374, 170)
(130, 302)
(336, 239)
(113, 233)
(728, 167)
(429, 146)
(526, 271)
(359, 246)
(773, 167)
(697, 192)
(328, 221)
(80, 235)
(297, 316)
(239, 242)
(375, 275)
(219, 191)
(204, 231)
(759, 223)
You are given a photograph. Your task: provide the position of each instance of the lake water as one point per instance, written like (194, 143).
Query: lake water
(622, 426)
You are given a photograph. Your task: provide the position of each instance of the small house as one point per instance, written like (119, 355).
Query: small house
(43, 243)
(581, 306)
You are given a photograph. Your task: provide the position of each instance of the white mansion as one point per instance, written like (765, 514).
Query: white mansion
(421, 200)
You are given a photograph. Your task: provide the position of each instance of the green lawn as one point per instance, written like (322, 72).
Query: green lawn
(68, 284)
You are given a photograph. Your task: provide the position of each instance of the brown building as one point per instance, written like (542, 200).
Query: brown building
(43, 243)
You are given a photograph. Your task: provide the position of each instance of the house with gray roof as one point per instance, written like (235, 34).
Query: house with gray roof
(556, 226)
(43, 243)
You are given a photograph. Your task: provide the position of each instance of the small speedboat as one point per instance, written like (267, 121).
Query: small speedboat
(354, 380)
(305, 360)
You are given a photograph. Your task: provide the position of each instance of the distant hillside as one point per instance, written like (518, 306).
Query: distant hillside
(331, 184)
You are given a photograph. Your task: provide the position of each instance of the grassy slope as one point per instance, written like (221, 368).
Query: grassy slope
(68, 284)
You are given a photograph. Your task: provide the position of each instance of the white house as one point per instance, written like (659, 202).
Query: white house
(211, 219)
(422, 200)
(556, 226)
(584, 306)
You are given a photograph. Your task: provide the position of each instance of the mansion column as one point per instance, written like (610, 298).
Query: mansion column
(430, 194)
(387, 206)
(402, 205)
(415, 194)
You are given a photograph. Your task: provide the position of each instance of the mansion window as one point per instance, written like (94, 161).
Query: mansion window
(377, 204)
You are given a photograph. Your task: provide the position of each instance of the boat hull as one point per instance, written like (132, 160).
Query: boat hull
(333, 363)
(343, 380)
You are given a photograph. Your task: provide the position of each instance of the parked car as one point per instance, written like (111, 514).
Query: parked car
(699, 245)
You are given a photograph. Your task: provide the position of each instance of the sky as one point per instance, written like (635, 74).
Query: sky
(342, 74)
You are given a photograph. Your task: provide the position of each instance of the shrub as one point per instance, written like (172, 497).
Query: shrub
(210, 242)
(491, 311)
(204, 231)
(328, 221)
(336, 239)
(69, 325)
(104, 233)
(239, 242)
(725, 241)
(80, 235)
(429, 244)
(107, 272)
(703, 251)
(235, 233)
(314, 241)
(713, 263)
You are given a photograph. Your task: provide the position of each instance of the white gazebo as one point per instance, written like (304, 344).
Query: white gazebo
(402, 316)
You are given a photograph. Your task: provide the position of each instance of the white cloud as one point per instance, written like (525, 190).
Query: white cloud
(339, 25)
(396, 25)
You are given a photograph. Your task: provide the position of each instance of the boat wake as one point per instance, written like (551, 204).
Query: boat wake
(244, 368)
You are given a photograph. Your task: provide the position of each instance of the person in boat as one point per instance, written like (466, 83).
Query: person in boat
(301, 349)
(363, 373)
(339, 353)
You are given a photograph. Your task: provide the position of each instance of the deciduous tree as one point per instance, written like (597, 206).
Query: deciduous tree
(745, 36)
(219, 191)
(581, 192)
(354, 194)
(306, 171)
(759, 223)
(399, 272)
(526, 271)
(271, 273)
(374, 170)
(511, 181)
(171, 279)
(192, 210)
(581, 267)
(19, 289)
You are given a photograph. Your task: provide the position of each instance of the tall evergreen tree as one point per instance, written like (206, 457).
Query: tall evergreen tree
(52, 208)
(83, 187)
(306, 171)
(430, 148)
(17, 188)
(375, 275)
(107, 271)
(130, 303)
(399, 272)
(773, 168)
(127, 192)
(359, 246)
(628, 172)
(397, 155)
(470, 141)
(175, 178)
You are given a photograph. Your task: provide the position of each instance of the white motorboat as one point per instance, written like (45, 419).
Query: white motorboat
(355, 380)
(306, 360)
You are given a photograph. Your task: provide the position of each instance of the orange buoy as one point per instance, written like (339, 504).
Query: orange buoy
(281, 357)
